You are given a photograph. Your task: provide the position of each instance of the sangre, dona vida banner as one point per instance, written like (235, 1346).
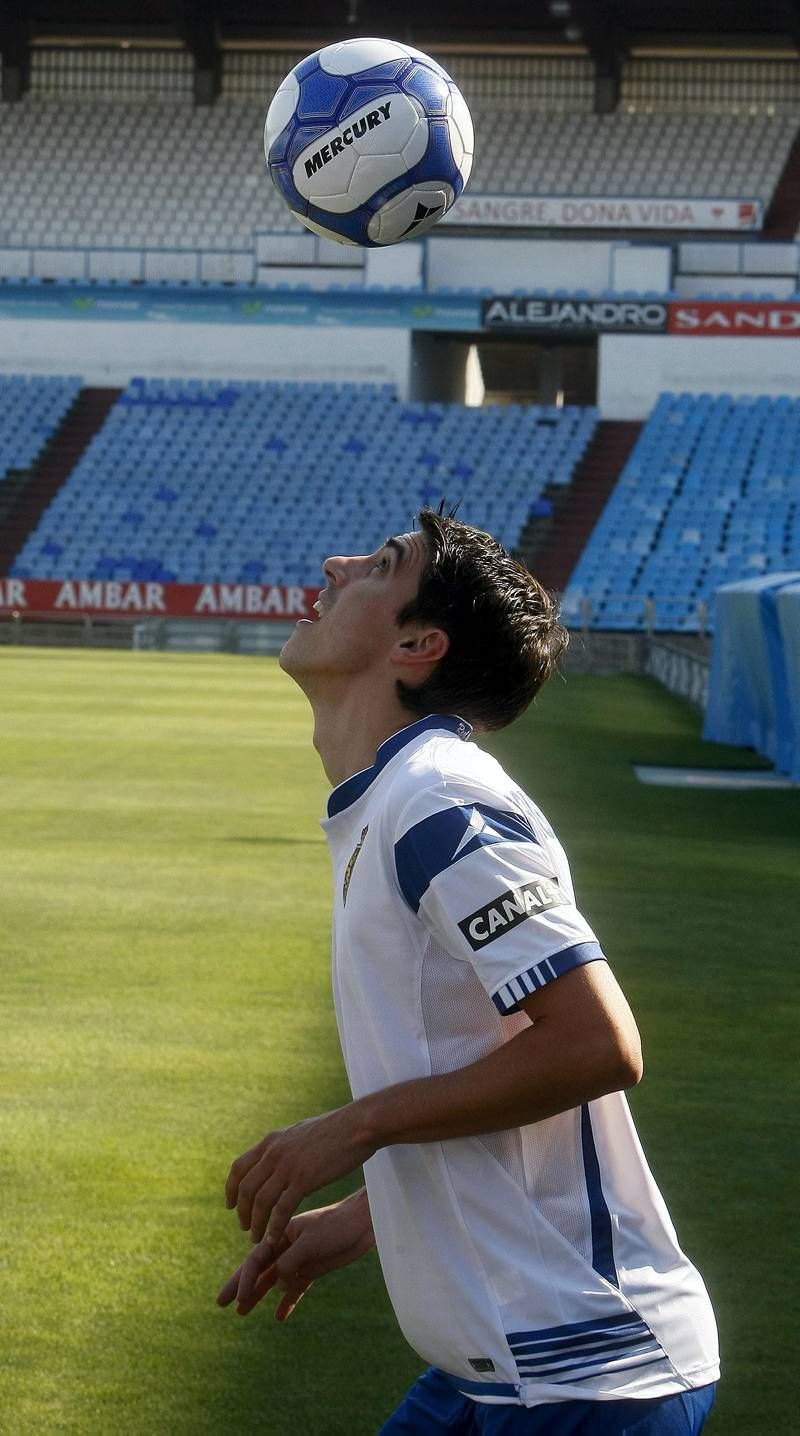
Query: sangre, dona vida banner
(604, 212)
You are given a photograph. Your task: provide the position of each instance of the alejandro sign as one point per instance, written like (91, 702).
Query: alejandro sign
(586, 316)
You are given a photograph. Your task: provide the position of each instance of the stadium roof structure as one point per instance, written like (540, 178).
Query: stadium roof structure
(578, 24)
(605, 30)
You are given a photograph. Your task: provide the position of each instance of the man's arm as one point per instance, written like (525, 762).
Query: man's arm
(583, 1044)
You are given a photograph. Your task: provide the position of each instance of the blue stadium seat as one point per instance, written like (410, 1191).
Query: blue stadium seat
(259, 482)
(31, 408)
(710, 493)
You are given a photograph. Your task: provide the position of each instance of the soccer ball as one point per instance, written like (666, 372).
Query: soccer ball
(369, 142)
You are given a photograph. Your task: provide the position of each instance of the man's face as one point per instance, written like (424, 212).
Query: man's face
(357, 630)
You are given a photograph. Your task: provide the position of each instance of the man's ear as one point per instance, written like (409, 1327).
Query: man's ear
(420, 647)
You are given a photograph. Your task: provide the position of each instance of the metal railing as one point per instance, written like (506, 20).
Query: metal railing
(651, 611)
(83, 630)
(64, 630)
(679, 670)
(197, 635)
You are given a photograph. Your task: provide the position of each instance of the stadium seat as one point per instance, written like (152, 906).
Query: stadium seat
(710, 493)
(31, 408)
(63, 158)
(258, 482)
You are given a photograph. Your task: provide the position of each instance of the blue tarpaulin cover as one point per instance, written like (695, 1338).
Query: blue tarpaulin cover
(754, 684)
(788, 605)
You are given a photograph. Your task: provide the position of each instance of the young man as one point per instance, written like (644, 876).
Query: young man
(527, 1251)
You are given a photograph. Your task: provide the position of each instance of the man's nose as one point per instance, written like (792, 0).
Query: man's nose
(339, 569)
(333, 571)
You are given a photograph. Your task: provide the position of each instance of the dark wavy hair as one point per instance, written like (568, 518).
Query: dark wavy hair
(505, 637)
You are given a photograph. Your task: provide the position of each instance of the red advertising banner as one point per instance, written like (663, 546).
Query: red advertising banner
(120, 598)
(747, 318)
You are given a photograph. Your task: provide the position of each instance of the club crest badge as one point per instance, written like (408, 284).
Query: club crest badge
(348, 872)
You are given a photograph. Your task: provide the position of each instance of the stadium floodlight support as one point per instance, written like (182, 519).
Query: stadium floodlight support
(790, 16)
(15, 48)
(199, 32)
(605, 44)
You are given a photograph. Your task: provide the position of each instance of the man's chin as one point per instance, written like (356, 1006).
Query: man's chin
(290, 658)
(285, 656)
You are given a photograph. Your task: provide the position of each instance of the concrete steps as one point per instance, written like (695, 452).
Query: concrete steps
(550, 547)
(31, 491)
(782, 219)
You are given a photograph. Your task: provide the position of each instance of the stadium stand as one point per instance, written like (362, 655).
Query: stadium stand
(97, 172)
(553, 543)
(551, 84)
(27, 492)
(30, 411)
(83, 172)
(661, 156)
(711, 493)
(716, 85)
(247, 482)
(107, 150)
(109, 72)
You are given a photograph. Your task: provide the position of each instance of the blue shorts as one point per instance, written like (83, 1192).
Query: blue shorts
(433, 1405)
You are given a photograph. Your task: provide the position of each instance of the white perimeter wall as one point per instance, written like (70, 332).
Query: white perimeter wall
(634, 370)
(110, 353)
(508, 264)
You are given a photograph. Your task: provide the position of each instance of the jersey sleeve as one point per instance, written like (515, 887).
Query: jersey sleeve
(483, 882)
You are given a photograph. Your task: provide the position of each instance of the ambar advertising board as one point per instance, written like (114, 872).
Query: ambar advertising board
(119, 598)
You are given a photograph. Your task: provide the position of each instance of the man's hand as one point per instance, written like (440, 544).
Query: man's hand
(313, 1244)
(268, 1183)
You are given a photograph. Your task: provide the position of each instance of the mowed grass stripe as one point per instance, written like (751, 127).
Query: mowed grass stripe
(166, 999)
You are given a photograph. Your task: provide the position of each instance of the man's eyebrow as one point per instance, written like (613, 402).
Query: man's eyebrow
(398, 547)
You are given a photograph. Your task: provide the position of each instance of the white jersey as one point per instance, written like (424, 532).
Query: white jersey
(534, 1265)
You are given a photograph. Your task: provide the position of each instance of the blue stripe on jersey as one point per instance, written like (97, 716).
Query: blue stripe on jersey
(618, 1336)
(602, 1243)
(575, 1329)
(508, 997)
(540, 1365)
(355, 787)
(590, 1375)
(617, 1342)
(448, 835)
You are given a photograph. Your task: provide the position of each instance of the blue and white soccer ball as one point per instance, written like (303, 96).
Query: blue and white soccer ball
(369, 142)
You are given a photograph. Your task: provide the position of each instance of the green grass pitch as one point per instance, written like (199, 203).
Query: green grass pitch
(165, 1001)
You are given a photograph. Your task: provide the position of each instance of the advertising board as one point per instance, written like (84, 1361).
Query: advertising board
(589, 316)
(119, 598)
(519, 211)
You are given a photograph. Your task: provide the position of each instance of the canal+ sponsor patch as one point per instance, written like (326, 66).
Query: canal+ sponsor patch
(509, 909)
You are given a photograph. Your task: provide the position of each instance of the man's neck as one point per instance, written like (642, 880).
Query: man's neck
(350, 727)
